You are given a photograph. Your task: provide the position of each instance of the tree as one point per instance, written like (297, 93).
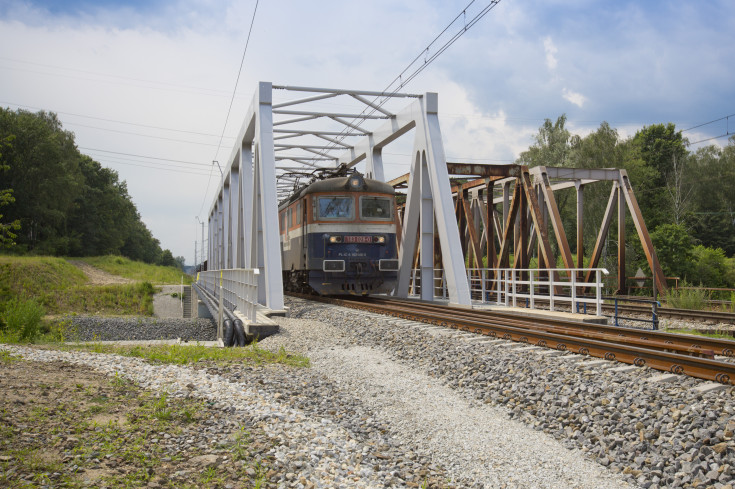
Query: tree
(167, 259)
(180, 262)
(712, 211)
(679, 190)
(101, 213)
(673, 246)
(710, 267)
(7, 236)
(651, 161)
(44, 175)
(65, 202)
(551, 147)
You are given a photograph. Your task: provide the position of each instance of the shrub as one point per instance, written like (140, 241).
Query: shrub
(710, 266)
(687, 299)
(21, 320)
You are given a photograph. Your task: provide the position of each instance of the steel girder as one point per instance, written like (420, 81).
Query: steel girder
(536, 205)
(272, 155)
(246, 199)
(525, 218)
(429, 198)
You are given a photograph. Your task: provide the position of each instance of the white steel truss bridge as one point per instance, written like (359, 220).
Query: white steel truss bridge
(285, 139)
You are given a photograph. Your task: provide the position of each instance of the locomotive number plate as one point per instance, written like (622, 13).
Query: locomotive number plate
(358, 239)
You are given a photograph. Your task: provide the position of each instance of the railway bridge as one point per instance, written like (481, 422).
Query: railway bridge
(469, 237)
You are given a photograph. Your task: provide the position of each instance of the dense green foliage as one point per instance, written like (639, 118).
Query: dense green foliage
(687, 197)
(7, 236)
(60, 202)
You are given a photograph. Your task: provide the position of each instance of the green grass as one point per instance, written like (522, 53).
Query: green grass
(117, 299)
(7, 357)
(188, 354)
(694, 332)
(34, 276)
(135, 270)
(59, 287)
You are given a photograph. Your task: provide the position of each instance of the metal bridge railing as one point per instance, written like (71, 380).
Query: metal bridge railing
(509, 286)
(237, 287)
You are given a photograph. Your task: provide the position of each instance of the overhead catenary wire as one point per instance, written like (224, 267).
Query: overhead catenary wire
(175, 169)
(727, 134)
(234, 91)
(727, 129)
(727, 117)
(390, 90)
(106, 75)
(143, 156)
(111, 120)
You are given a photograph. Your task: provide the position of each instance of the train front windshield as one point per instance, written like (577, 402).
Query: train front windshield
(336, 207)
(376, 208)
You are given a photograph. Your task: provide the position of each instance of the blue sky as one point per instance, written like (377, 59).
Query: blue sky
(155, 78)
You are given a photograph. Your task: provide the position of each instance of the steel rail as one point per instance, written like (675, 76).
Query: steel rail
(595, 332)
(691, 344)
(665, 312)
(670, 312)
(677, 363)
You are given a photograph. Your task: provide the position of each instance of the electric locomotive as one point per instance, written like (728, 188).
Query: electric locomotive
(338, 236)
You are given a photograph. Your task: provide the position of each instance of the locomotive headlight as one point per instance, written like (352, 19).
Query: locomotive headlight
(335, 239)
(379, 239)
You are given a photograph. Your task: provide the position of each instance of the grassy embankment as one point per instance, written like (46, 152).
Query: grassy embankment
(139, 271)
(32, 288)
(36, 292)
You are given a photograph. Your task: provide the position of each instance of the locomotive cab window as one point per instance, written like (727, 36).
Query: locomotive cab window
(335, 207)
(376, 208)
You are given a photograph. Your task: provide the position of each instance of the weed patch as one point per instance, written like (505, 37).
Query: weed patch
(68, 426)
(694, 332)
(20, 321)
(188, 354)
(61, 288)
(687, 299)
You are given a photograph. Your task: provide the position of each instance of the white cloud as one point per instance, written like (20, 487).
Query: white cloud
(576, 98)
(551, 51)
(174, 63)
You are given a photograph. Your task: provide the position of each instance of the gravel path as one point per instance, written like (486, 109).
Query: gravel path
(653, 435)
(99, 277)
(167, 306)
(477, 444)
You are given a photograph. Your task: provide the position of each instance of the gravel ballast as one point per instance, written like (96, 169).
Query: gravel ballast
(389, 403)
(96, 328)
(652, 434)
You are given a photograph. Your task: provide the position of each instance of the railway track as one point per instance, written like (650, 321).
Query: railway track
(672, 313)
(665, 312)
(680, 354)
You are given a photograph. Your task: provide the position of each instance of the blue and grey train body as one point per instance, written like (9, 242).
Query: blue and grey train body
(338, 236)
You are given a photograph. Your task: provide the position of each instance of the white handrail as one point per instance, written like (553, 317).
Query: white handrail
(237, 287)
(509, 285)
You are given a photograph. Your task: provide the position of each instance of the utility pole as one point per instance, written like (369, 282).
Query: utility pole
(195, 255)
(202, 255)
